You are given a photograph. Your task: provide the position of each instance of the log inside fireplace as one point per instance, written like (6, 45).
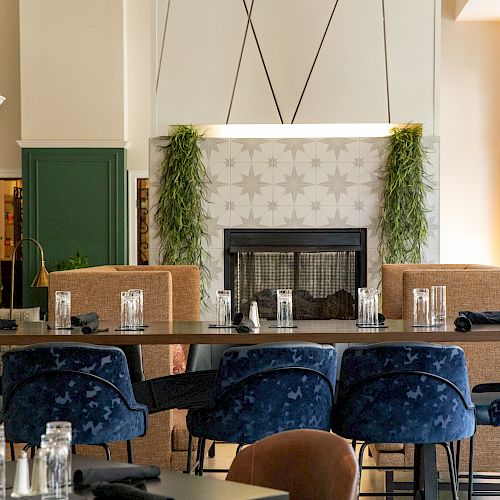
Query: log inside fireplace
(323, 267)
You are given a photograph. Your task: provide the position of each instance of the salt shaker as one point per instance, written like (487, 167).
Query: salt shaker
(254, 314)
(21, 486)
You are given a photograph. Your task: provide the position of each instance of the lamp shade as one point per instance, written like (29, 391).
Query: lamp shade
(42, 278)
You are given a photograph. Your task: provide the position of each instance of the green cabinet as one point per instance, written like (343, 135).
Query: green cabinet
(73, 200)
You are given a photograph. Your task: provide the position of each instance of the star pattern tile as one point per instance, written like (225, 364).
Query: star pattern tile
(337, 184)
(294, 184)
(251, 184)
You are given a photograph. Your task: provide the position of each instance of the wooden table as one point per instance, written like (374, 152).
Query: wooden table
(176, 484)
(198, 332)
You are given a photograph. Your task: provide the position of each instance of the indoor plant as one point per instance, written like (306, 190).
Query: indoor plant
(180, 212)
(403, 223)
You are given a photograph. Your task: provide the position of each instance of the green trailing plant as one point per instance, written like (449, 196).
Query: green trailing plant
(76, 261)
(181, 215)
(403, 223)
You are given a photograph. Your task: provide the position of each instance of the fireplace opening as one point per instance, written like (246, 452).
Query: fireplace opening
(323, 267)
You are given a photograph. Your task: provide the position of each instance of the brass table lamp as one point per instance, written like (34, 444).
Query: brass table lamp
(41, 279)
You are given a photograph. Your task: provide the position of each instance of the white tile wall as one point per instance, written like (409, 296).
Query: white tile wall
(331, 182)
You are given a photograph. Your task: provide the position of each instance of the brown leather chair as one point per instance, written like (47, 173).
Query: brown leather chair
(309, 464)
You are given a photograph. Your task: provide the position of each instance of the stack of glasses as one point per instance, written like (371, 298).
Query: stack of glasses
(132, 316)
(436, 314)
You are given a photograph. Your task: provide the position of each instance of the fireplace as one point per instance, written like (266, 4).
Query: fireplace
(323, 267)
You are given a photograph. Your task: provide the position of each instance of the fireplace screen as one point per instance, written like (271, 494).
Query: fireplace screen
(323, 283)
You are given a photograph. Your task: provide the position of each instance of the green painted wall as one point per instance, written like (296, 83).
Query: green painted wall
(73, 200)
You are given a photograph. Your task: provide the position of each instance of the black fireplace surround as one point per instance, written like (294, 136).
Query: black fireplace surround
(323, 267)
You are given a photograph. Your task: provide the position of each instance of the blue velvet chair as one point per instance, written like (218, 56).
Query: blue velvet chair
(84, 384)
(486, 398)
(411, 393)
(263, 389)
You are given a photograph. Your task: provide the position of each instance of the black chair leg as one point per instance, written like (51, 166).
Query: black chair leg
(107, 450)
(417, 457)
(12, 451)
(457, 461)
(201, 460)
(130, 456)
(451, 467)
(471, 468)
(211, 450)
(73, 449)
(360, 462)
(190, 447)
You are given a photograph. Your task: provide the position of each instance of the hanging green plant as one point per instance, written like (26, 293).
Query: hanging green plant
(180, 214)
(403, 222)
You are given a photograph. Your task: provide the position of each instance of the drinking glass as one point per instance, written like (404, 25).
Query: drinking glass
(438, 305)
(64, 429)
(129, 307)
(368, 306)
(57, 450)
(284, 307)
(421, 307)
(223, 307)
(63, 310)
(140, 302)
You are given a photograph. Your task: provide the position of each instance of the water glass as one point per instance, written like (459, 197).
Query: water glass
(63, 310)
(57, 450)
(223, 307)
(2, 462)
(284, 307)
(129, 307)
(368, 306)
(64, 429)
(421, 307)
(140, 303)
(438, 305)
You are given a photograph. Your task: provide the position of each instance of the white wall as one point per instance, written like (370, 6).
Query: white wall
(470, 140)
(139, 76)
(202, 47)
(10, 111)
(73, 70)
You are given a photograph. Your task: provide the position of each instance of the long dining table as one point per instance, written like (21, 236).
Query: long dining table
(202, 332)
(323, 332)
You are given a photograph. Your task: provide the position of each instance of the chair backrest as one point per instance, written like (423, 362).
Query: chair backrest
(404, 393)
(309, 464)
(263, 389)
(85, 384)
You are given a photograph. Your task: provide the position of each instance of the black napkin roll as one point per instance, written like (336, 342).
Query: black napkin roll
(8, 324)
(89, 322)
(245, 326)
(124, 492)
(466, 319)
(87, 477)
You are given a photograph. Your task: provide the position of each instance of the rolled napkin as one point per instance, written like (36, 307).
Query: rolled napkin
(89, 322)
(8, 324)
(88, 477)
(245, 326)
(466, 319)
(124, 492)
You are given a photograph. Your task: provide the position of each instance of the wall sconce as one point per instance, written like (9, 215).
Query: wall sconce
(2, 99)
(41, 279)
